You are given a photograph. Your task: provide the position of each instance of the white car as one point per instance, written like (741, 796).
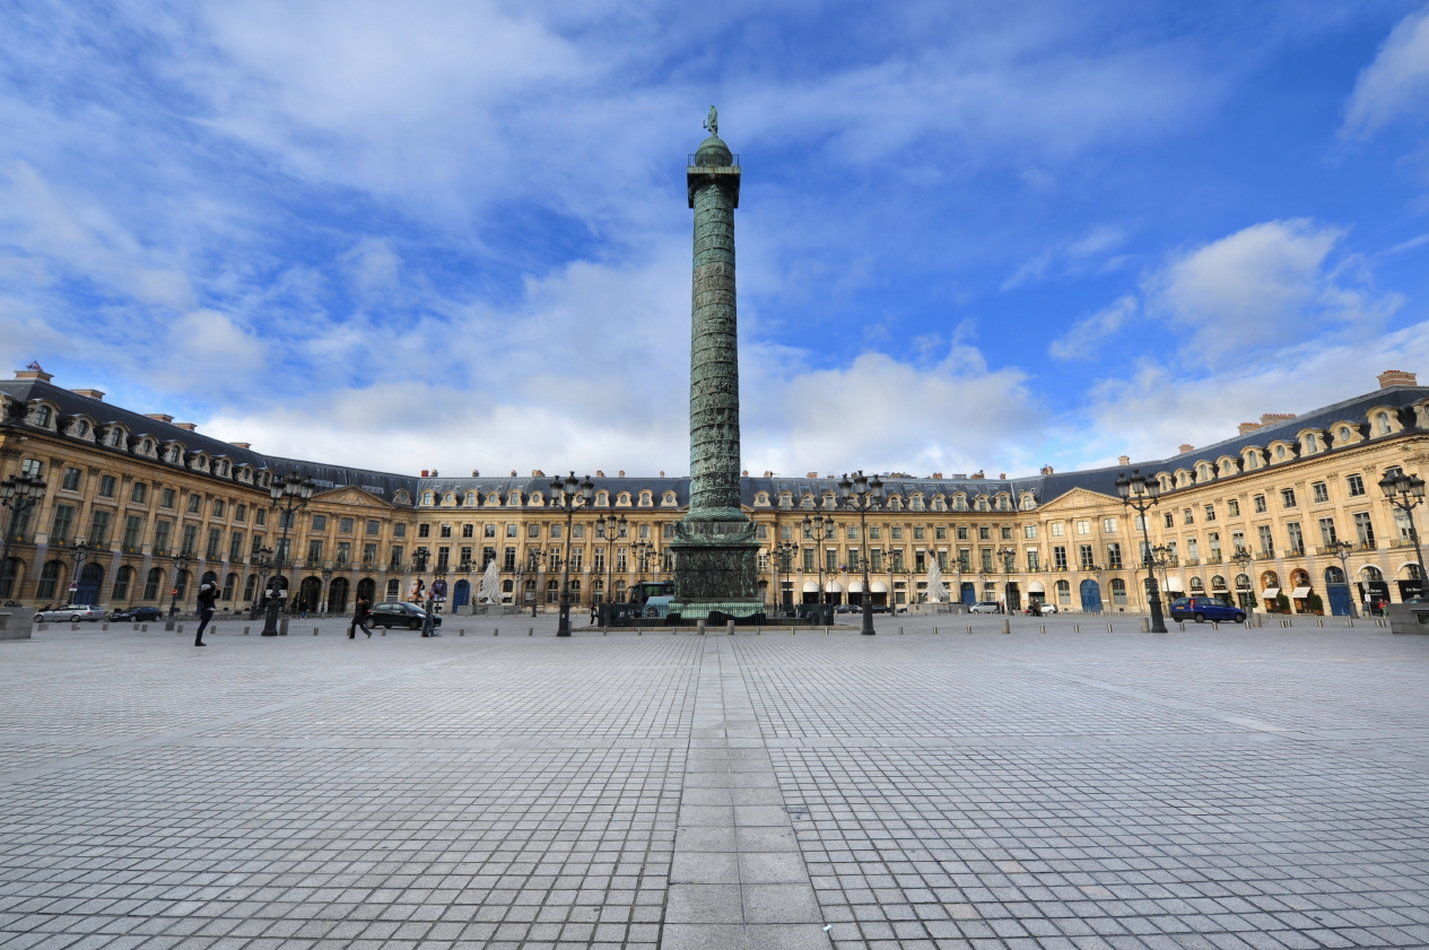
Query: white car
(72, 613)
(985, 607)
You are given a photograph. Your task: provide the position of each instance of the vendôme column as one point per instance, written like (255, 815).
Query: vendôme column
(716, 554)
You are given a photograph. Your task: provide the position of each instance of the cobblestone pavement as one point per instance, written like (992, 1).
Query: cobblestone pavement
(1078, 788)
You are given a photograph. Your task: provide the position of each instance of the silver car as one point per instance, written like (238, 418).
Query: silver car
(71, 612)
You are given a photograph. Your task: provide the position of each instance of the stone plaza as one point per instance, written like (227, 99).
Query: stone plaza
(940, 785)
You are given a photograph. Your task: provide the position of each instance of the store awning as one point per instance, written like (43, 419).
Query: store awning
(1174, 583)
(878, 587)
(1270, 593)
(1299, 593)
(811, 587)
(833, 587)
(855, 587)
(1035, 587)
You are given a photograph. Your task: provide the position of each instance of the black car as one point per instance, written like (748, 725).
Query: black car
(137, 615)
(398, 614)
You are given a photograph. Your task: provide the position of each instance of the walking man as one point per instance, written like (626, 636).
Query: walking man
(359, 619)
(207, 594)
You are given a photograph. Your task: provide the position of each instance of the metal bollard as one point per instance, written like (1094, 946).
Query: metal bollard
(315, 631)
(530, 631)
(1044, 628)
(283, 627)
(1145, 625)
(700, 626)
(245, 631)
(384, 631)
(1006, 624)
(461, 631)
(1108, 628)
(104, 626)
(143, 627)
(729, 628)
(1076, 628)
(900, 631)
(935, 629)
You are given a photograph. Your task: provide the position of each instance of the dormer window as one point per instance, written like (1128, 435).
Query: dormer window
(1381, 423)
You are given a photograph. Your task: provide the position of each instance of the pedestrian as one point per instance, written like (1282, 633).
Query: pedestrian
(359, 619)
(207, 594)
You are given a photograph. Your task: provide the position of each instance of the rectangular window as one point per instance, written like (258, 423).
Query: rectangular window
(488, 531)
(395, 561)
(1193, 548)
(508, 560)
(444, 556)
(984, 533)
(1084, 557)
(1170, 519)
(1058, 529)
(99, 529)
(69, 481)
(319, 522)
(1029, 531)
(369, 555)
(1210, 512)
(1364, 529)
(344, 552)
(240, 513)
(1188, 516)
(940, 533)
(1233, 507)
(1084, 527)
(468, 530)
(425, 530)
(62, 526)
(446, 531)
(1113, 555)
(138, 492)
(194, 502)
(1327, 532)
(597, 561)
(162, 530)
(166, 498)
(1296, 538)
(985, 557)
(1032, 560)
(1059, 557)
(1237, 541)
(133, 532)
(875, 533)
(1355, 484)
(235, 546)
(831, 559)
(1259, 503)
(1215, 540)
(190, 544)
(1267, 541)
(875, 560)
(556, 532)
(578, 531)
(1319, 491)
(533, 531)
(1108, 526)
(808, 559)
(215, 544)
(315, 550)
(965, 559)
(218, 508)
(962, 533)
(918, 533)
(372, 527)
(897, 533)
(346, 525)
(106, 486)
(260, 517)
(1287, 497)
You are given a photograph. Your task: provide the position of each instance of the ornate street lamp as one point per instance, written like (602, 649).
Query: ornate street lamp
(569, 493)
(1242, 559)
(325, 597)
(893, 557)
(1141, 494)
(644, 551)
(80, 550)
(1406, 492)
(1341, 549)
(612, 527)
(263, 559)
(1009, 561)
(819, 528)
(784, 553)
(289, 495)
(18, 493)
(863, 493)
(181, 561)
(1163, 556)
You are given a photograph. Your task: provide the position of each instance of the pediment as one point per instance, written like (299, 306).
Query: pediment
(1077, 498)
(350, 495)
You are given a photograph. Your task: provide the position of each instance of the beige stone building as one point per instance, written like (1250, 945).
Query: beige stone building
(137, 506)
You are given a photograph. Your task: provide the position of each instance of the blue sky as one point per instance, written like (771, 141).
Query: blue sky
(971, 235)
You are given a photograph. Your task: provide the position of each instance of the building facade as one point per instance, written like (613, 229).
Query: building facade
(136, 507)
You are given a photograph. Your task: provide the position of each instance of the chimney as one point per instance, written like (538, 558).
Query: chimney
(89, 393)
(662, 473)
(161, 417)
(598, 473)
(475, 473)
(242, 445)
(1183, 448)
(621, 473)
(1397, 377)
(1046, 470)
(1245, 427)
(1123, 460)
(1270, 418)
(811, 475)
(33, 371)
(186, 426)
(1003, 475)
(424, 473)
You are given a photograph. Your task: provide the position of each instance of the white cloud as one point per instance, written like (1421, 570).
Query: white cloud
(1081, 341)
(1396, 83)
(1087, 253)
(1265, 284)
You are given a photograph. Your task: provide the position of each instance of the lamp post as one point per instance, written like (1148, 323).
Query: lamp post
(612, 528)
(420, 557)
(326, 594)
(1341, 549)
(289, 494)
(784, 553)
(1163, 556)
(1406, 492)
(819, 528)
(1009, 560)
(893, 557)
(1141, 494)
(465, 567)
(644, 551)
(80, 549)
(1242, 559)
(181, 560)
(863, 493)
(18, 493)
(436, 592)
(263, 559)
(569, 493)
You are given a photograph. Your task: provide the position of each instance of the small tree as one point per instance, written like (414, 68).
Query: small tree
(1282, 604)
(1314, 604)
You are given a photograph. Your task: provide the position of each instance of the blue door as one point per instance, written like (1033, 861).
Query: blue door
(1091, 596)
(1339, 599)
(461, 593)
(87, 591)
(968, 593)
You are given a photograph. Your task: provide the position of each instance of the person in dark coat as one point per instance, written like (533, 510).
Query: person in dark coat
(207, 594)
(359, 619)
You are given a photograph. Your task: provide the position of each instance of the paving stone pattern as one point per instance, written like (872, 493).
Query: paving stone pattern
(1207, 789)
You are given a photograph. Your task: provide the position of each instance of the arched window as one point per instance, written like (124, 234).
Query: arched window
(1197, 586)
(123, 579)
(960, 502)
(1218, 582)
(915, 501)
(1118, 591)
(669, 500)
(939, 503)
(761, 499)
(1029, 501)
(229, 583)
(429, 498)
(622, 499)
(894, 503)
(647, 498)
(535, 499)
(42, 416)
(449, 498)
(602, 498)
(1381, 423)
(473, 498)
(152, 582)
(1064, 592)
(394, 589)
(513, 499)
(49, 580)
(980, 503)
(806, 500)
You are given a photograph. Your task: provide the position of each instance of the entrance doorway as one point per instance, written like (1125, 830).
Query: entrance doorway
(90, 579)
(1091, 596)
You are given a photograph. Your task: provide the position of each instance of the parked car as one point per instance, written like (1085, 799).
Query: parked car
(985, 607)
(395, 613)
(847, 609)
(137, 615)
(71, 612)
(1041, 609)
(1201, 609)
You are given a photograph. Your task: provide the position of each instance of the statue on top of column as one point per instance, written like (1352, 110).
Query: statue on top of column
(712, 121)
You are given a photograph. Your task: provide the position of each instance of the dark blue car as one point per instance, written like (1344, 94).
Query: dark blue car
(1201, 609)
